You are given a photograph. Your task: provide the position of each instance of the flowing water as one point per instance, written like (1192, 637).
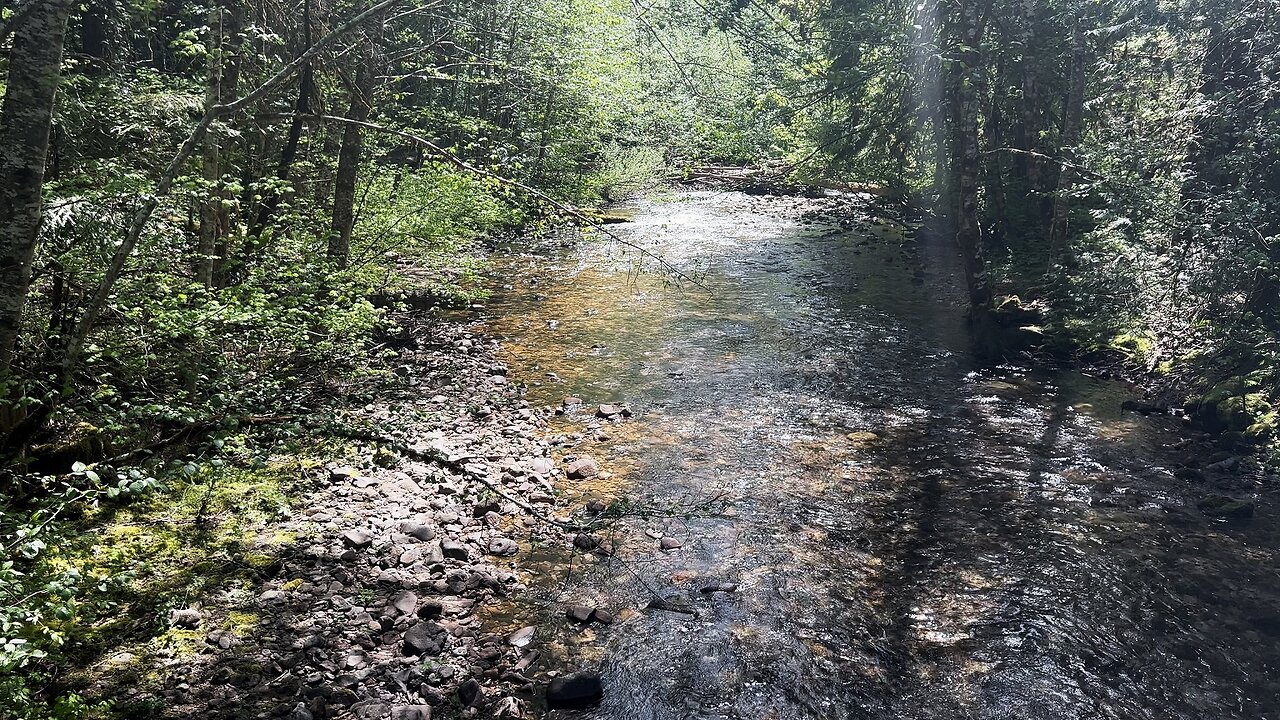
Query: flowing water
(911, 534)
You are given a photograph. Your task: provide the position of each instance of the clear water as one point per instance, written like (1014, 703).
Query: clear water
(1006, 544)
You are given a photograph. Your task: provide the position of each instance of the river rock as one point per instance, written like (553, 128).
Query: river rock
(583, 468)
(503, 547)
(425, 638)
(522, 637)
(1225, 507)
(586, 543)
(612, 411)
(670, 543)
(411, 712)
(357, 539)
(575, 691)
(419, 530)
(454, 550)
(595, 506)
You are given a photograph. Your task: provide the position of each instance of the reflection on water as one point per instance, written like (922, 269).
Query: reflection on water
(910, 535)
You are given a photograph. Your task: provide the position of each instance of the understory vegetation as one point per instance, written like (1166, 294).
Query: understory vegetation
(215, 216)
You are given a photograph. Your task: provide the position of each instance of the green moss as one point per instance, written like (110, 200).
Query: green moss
(240, 622)
(1135, 346)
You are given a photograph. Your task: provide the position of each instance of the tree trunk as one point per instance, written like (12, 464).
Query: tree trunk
(1028, 131)
(344, 186)
(215, 218)
(1071, 131)
(967, 165)
(302, 107)
(35, 67)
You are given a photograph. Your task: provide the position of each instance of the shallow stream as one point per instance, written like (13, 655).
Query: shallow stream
(906, 534)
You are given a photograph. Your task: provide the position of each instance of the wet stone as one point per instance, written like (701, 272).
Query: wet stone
(575, 691)
(670, 543)
(585, 542)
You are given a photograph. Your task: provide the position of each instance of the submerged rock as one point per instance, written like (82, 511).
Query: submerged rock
(1225, 507)
(575, 691)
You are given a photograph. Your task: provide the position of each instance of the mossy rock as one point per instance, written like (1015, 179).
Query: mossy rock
(1225, 507)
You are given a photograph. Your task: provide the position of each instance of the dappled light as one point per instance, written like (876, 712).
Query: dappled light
(639, 359)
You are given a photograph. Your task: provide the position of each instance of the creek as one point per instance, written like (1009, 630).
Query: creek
(891, 529)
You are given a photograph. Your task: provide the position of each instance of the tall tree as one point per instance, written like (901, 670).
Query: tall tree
(1071, 129)
(966, 166)
(35, 67)
(344, 186)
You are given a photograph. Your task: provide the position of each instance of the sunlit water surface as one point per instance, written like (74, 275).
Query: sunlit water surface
(1006, 544)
